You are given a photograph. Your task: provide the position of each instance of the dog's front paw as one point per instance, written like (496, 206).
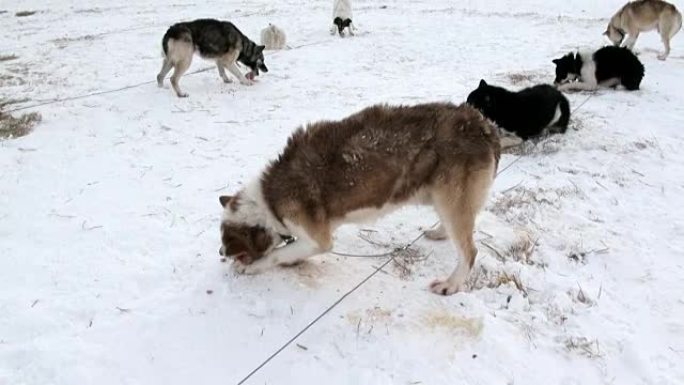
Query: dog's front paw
(227, 80)
(662, 56)
(437, 234)
(445, 287)
(241, 268)
(247, 82)
(183, 94)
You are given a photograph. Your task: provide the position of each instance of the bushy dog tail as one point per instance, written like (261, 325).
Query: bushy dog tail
(176, 32)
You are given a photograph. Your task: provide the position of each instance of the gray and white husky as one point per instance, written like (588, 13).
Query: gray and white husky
(217, 40)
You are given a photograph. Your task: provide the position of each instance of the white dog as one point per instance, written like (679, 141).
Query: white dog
(342, 17)
(273, 37)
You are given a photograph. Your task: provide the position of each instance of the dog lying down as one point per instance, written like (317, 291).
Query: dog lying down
(357, 169)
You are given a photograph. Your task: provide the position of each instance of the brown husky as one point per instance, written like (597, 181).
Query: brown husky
(376, 160)
(641, 16)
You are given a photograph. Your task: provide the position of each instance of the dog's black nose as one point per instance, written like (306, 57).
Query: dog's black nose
(221, 251)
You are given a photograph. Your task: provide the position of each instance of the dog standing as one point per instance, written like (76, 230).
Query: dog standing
(607, 67)
(526, 113)
(273, 37)
(217, 40)
(642, 16)
(359, 168)
(342, 17)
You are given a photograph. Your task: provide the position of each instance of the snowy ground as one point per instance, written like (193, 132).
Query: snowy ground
(109, 271)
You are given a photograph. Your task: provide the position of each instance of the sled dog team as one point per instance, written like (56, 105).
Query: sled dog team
(383, 157)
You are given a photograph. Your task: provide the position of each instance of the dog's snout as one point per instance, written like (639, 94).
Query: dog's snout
(222, 252)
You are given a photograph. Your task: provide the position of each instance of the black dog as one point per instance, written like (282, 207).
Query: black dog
(525, 113)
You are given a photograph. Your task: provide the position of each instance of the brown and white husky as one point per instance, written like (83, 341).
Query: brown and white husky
(381, 158)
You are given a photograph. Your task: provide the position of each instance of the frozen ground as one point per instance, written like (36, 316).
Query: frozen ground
(109, 272)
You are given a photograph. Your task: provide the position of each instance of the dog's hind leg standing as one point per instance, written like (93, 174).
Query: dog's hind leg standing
(166, 67)
(561, 125)
(457, 201)
(668, 27)
(178, 50)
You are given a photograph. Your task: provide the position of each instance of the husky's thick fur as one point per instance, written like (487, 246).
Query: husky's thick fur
(525, 113)
(607, 67)
(273, 37)
(342, 17)
(642, 16)
(361, 167)
(218, 40)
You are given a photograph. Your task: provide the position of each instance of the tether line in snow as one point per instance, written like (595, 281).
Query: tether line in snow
(391, 255)
(128, 87)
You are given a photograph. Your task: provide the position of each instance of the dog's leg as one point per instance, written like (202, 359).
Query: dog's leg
(222, 73)
(631, 40)
(166, 67)
(307, 245)
(610, 83)
(232, 67)
(436, 234)
(664, 55)
(179, 69)
(457, 206)
(579, 86)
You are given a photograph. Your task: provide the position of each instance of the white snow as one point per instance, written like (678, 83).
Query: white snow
(109, 210)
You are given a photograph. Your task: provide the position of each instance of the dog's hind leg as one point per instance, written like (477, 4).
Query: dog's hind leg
(562, 124)
(666, 43)
(668, 28)
(436, 234)
(222, 73)
(458, 204)
(166, 67)
(179, 69)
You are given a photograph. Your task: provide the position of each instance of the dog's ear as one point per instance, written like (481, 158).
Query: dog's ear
(260, 48)
(555, 61)
(605, 33)
(482, 83)
(225, 200)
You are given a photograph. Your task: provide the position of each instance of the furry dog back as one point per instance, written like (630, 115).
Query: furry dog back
(526, 113)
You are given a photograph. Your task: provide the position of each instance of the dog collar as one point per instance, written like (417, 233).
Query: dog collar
(287, 238)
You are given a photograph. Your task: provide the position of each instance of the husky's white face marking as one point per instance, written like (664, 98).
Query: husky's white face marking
(247, 230)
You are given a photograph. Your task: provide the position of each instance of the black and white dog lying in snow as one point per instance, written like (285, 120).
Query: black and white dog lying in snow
(525, 113)
(609, 66)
